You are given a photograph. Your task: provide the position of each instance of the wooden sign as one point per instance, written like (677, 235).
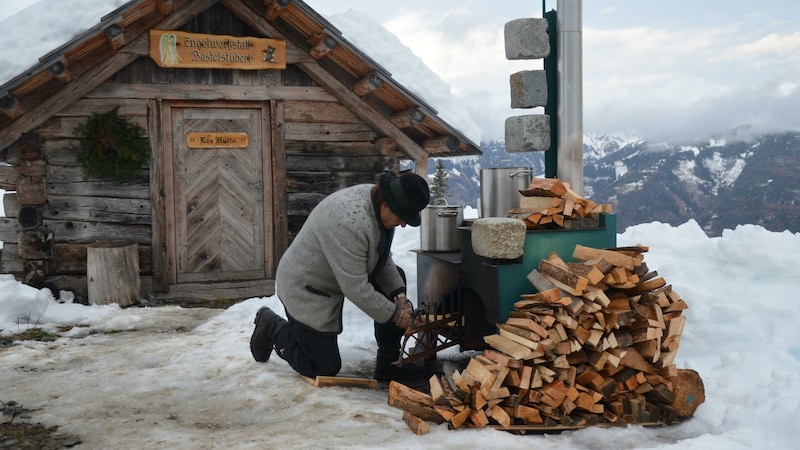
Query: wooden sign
(217, 140)
(178, 49)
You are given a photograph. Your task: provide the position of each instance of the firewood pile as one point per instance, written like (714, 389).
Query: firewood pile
(550, 203)
(595, 345)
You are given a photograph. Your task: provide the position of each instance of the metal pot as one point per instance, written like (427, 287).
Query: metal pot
(500, 188)
(439, 227)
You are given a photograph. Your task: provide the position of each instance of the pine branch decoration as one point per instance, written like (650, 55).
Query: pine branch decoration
(111, 147)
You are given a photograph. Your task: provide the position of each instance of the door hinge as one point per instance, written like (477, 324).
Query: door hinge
(259, 187)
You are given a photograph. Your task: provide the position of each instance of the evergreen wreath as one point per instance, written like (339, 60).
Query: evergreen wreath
(111, 147)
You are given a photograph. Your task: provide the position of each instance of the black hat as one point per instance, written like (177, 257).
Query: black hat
(406, 195)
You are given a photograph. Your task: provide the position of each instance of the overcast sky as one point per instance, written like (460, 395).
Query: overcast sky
(675, 69)
(658, 68)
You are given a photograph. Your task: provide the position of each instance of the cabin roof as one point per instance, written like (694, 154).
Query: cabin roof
(313, 44)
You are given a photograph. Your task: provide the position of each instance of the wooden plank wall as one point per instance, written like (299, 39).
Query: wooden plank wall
(79, 210)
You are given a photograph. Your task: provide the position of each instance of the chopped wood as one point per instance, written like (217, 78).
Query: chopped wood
(591, 272)
(415, 424)
(513, 378)
(453, 392)
(464, 381)
(680, 305)
(502, 359)
(575, 197)
(547, 296)
(413, 401)
(675, 326)
(507, 332)
(545, 187)
(460, 418)
(477, 400)
(528, 414)
(480, 373)
(531, 339)
(550, 203)
(478, 418)
(509, 347)
(499, 415)
(633, 359)
(437, 391)
(649, 285)
(446, 412)
(491, 365)
(569, 207)
(576, 284)
(651, 349)
(342, 381)
(616, 258)
(527, 324)
(496, 394)
(604, 357)
(542, 284)
(534, 204)
(558, 219)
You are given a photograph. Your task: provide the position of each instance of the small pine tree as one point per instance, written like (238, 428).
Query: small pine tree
(439, 188)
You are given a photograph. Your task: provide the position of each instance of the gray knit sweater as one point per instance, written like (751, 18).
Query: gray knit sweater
(331, 258)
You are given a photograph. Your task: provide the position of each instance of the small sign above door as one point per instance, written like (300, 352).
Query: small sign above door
(217, 140)
(215, 51)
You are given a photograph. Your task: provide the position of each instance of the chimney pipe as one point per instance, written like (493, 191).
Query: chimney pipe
(570, 94)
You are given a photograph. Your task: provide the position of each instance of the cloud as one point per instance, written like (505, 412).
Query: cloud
(680, 82)
(468, 53)
(689, 83)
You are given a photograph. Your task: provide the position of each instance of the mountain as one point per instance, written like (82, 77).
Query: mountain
(719, 183)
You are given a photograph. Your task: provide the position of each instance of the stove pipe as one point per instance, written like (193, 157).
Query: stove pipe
(570, 94)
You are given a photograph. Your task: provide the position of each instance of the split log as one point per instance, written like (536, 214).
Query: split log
(575, 284)
(342, 381)
(509, 347)
(413, 401)
(537, 203)
(616, 258)
(545, 187)
(415, 424)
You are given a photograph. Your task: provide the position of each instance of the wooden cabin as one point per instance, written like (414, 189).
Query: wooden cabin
(238, 155)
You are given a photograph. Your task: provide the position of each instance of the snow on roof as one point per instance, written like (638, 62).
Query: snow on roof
(48, 24)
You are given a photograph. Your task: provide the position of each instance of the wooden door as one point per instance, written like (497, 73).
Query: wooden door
(221, 227)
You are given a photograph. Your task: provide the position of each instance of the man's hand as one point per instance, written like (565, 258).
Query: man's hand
(403, 315)
(420, 318)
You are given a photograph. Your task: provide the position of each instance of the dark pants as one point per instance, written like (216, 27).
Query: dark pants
(308, 352)
(311, 353)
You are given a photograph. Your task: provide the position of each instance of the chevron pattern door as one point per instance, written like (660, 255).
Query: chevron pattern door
(218, 186)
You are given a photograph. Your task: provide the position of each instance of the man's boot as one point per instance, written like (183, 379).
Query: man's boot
(407, 373)
(388, 338)
(263, 339)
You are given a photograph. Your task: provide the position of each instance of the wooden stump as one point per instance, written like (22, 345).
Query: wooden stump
(690, 392)
(112, 272)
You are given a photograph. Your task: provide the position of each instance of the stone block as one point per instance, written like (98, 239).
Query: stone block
(527, 39)
(528, 89)
(528, 133)
(498, 237)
